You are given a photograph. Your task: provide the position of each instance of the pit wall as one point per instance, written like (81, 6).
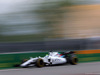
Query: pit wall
(9, 60)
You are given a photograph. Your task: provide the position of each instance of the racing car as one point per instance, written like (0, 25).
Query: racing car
(52, 58)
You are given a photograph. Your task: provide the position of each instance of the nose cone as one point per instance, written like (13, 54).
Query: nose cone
(24, 66)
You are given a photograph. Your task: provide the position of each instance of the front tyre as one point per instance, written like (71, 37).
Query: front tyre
(40, 63)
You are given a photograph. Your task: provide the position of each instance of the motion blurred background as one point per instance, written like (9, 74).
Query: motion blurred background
(28, 25)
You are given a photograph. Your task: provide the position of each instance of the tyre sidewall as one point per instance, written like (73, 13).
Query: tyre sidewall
(40, 63)
(73, 60)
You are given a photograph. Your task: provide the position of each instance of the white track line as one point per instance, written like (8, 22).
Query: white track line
(4, 70)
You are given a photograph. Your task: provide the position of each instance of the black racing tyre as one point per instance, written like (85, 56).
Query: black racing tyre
(40, 63)
(73, 60)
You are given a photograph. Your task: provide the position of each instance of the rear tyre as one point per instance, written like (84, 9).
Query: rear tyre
(40, 63)
(73, 60)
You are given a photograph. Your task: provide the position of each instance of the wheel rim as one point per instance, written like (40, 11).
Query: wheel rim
(41, 62)
(75, 60)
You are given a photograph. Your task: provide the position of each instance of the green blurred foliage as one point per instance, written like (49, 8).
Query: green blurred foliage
(49, 13)
(52, 14)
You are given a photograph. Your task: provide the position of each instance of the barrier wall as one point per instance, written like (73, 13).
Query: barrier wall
(9, 60)
(88, 55)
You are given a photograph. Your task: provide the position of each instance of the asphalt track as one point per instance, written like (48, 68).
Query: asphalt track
(80, 69)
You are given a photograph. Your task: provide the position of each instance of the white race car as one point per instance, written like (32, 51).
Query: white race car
(53, 58)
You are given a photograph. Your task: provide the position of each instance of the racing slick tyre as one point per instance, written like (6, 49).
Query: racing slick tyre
(40, 63)
(73, 60)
